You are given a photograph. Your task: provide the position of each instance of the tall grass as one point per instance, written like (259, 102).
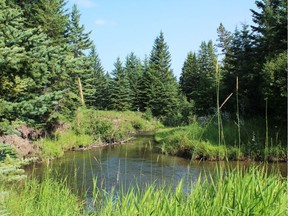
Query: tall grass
(232, 193)
(48, 198)
(201, 141)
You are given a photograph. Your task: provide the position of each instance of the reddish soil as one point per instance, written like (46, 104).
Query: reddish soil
(23, 143)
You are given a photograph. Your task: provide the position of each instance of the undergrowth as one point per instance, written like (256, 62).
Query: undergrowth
(200, 141)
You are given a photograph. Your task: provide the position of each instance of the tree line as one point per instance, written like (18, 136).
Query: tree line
(46, 54)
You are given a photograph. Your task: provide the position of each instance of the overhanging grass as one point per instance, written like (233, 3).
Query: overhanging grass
(201, 141)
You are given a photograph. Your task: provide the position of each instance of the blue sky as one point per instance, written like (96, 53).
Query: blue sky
(120, 27)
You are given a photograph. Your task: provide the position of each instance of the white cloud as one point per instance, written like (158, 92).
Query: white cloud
(103, 22)
(85, 3)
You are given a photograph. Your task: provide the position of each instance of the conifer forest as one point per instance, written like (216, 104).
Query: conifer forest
(46, 52)
(229, 103)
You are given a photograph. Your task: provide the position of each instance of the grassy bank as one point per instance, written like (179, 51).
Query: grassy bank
(93, 127)
(201, 141)
(235, 192)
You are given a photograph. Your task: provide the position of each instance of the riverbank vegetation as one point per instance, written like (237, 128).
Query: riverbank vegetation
(201, 141)
(52, 81)
(46, 75)
(92, 128)
(233, 192)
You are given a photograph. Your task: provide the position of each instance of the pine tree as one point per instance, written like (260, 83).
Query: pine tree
(134, 71)
(120, 92)
(162, 92)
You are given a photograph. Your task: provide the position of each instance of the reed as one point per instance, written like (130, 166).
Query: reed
(237, 192)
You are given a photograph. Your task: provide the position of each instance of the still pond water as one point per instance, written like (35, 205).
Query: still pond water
(136, 162)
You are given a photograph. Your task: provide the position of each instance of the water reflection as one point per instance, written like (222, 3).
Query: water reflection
(126, 165)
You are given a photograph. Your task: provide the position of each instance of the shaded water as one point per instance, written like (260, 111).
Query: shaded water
(136, 162)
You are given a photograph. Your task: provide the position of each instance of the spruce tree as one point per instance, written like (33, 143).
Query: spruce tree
(120, 92)
(205, 95)
(25, 69)
(79, 42)
(270, 29)
(50, 15)
(94, 82)
(241, 62)
(144, 86)
(189, 78)
(134, 71)
(162, 93)
(270, 43)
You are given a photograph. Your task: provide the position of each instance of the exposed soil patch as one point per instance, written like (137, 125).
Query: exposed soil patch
(23, 143)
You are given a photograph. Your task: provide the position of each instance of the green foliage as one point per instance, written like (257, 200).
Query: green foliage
(237, 192)
(6, 149)
(11, 168)
(270, 27)
(134, 71)
(53, 148)
(159, 84)
(95, 84)
(197, 80)
(50, 197)
(111, 126)
(120, 88)
(275, 85)
(201, 141)
(190, 77)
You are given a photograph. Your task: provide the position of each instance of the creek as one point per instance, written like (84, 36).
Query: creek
(121, 166)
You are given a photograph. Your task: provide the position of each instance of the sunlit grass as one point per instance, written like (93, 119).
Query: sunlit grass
(48, 198)
(233, 193)
(201, 141)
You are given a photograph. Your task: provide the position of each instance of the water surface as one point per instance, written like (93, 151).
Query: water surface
(136, 162)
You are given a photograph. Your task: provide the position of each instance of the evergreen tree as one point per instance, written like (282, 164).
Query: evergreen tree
(275, 86)
(225, 39)
(189, 78)
(79, 40)
(25, 71)
(134, 71)
(270, 42)
(120, 92)
(94, 82)
(144, 86)
(270, 27)
(50, 15)
(205, 95)
(79, 43)
(162, 92)
(241, 62)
